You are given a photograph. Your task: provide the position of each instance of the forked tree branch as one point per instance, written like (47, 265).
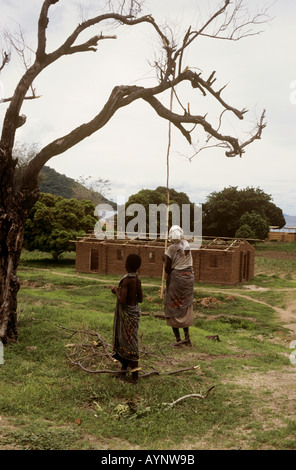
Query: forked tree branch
(89, 45)
(234, 147)
(239, 23)
(42, 25)
(43, 59)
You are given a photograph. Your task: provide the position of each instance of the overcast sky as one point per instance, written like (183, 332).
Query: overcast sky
(131, 150)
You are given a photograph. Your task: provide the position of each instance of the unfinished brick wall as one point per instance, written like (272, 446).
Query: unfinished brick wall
(109, 257)
(214, 264)
(220, 264)
(284, 237)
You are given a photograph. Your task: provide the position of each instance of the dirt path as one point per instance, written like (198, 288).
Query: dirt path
(286, 316)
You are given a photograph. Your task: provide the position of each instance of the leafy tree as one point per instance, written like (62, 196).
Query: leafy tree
(20, 190)
(245, 231)
(53, 223)
(258, 226)
(223, 210)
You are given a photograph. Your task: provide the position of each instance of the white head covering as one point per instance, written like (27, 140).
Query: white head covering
(176, 234)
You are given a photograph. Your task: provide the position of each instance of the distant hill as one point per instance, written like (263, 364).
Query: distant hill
(290, 220)
(52, 182)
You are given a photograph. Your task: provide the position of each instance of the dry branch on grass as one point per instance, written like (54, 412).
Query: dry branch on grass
(94, 356)
(192, 395)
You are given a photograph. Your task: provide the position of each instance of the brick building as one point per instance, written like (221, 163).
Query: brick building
(285, 235)
(219, 262)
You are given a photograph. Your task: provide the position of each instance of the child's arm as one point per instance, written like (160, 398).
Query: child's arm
(121, 293)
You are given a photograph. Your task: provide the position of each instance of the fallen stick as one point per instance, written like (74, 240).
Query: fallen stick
(156, 372)
(102, 371)
(117, 372)
(183, 370)
(193, 395)
(100, 340)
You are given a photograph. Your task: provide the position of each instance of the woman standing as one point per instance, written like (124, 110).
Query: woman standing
(178, 295)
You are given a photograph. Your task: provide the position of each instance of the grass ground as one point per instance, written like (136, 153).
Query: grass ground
(49, 403)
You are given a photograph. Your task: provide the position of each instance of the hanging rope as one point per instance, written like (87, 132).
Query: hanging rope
(167, 190)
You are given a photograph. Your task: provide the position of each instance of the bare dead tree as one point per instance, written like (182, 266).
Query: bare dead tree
(17, 198)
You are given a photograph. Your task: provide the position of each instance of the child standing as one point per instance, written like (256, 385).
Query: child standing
(127, 316)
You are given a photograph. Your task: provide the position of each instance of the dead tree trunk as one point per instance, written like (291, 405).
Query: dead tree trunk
(14, 208)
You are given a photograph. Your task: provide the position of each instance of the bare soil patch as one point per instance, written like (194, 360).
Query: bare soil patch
(278, 387)
(278, 390)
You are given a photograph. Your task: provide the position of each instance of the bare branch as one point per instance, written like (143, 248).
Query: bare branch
(198, 82)
(43, 60)
(240, 23)
(127, 20)
(89, 45)
(89, 371)
(234, 147)
(259, 128)
(5, 60)
(126, 7)
(235, 24)
(18, 42)
(42, 25)
(178, 120)
(95, 357)
(190, 36)
(33, 97)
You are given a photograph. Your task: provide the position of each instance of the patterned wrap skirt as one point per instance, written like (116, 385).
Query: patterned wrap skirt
(125, 332)
(178, 299)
